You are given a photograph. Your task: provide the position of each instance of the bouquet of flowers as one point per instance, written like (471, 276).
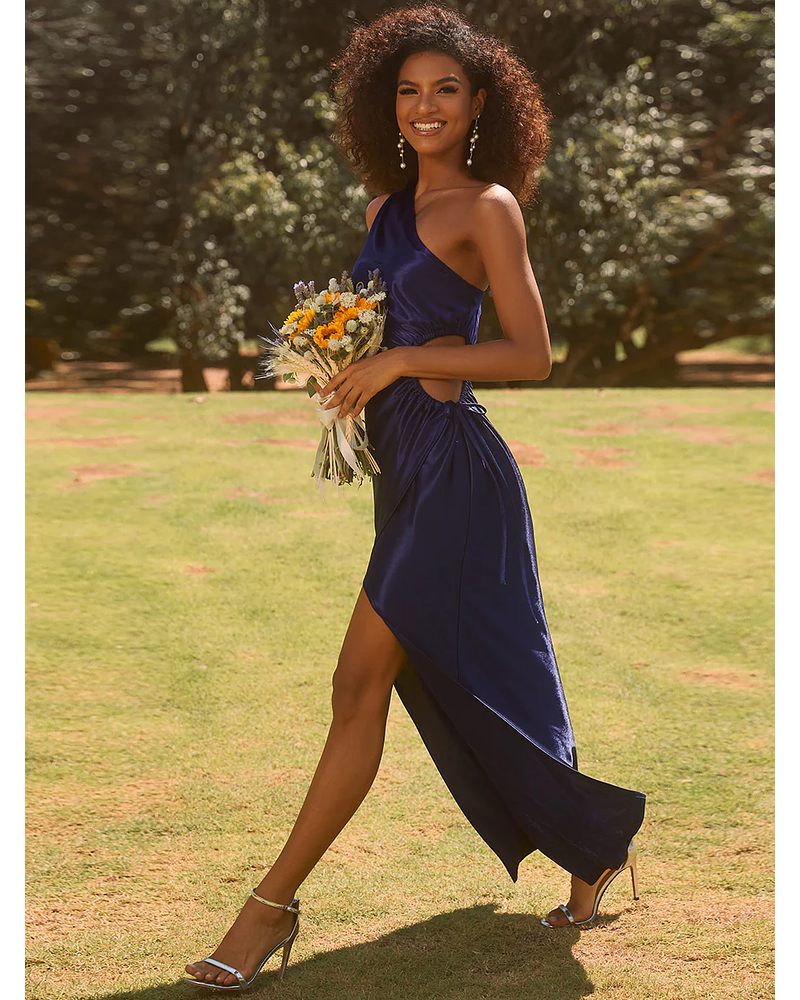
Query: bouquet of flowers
(325, 333)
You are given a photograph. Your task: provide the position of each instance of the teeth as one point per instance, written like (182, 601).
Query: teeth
(427, 126)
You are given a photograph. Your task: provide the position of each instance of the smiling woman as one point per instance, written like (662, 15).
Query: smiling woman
(450, 613)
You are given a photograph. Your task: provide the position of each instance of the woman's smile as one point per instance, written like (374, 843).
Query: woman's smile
(432, 127)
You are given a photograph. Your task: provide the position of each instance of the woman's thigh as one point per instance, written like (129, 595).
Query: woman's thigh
(370, 659)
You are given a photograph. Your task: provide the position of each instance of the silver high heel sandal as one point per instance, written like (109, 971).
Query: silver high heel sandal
(286, 944)
(602, 885)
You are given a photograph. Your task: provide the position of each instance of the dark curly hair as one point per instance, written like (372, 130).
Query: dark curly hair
(514, 125)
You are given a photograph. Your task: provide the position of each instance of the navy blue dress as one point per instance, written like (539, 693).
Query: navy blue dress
(453, 574)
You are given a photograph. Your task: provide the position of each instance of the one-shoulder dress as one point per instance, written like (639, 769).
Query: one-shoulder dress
(453, 574)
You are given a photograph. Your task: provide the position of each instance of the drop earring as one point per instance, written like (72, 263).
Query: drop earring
(472, 141)
(401, 147)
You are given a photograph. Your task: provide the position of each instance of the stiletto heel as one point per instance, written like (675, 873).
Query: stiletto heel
(286, 944)
(286, 951)
(602, 885)
(633, 880)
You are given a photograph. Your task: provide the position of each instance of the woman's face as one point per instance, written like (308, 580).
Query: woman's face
(433, 88)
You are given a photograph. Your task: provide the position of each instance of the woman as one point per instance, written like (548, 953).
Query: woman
(450, 612)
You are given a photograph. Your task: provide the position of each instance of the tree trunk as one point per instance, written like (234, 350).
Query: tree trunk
(193, 378)
(236, 370)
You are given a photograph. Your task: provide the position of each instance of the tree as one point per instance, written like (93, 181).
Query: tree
(655, 220)
(181, 180)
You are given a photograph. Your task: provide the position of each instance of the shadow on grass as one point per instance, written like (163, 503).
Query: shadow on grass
(466, 954)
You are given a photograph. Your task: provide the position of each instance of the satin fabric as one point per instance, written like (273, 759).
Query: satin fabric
(453, 574)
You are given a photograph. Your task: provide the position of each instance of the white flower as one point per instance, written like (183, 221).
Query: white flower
(300, 341)
(333, 285)
(289, 328)
(347, 300)
(347, 340)
(320, 300)
(367, 317)
(377, 297)
(308, 355)
(370, 284)
(334, 346)
(351, 326)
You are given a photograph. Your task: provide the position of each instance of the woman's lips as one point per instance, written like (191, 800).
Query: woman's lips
(436, 131)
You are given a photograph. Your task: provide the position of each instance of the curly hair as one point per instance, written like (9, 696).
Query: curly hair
(514, 126)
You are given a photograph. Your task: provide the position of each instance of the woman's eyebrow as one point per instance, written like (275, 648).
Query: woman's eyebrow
(454, 79)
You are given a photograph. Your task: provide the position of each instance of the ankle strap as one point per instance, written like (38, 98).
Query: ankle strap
(293, 907)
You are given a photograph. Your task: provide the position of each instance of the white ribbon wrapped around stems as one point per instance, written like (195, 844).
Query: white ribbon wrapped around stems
(349, 433)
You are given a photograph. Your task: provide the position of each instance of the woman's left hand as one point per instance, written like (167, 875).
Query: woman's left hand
(356, 384)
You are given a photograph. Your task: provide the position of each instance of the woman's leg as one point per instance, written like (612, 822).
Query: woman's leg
(370, 659)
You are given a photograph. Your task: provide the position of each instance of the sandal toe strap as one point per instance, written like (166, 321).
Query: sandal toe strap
(566, 913)
(227, 968)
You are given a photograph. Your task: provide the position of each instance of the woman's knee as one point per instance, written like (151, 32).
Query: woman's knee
(360, 690)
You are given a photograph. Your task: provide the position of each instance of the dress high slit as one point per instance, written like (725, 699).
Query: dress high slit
(453, 574)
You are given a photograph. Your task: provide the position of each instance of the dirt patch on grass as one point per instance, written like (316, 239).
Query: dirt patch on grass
(289, 442)
(86, 473)
(49, 412)
(99, 442)
(271, 417)
(769, 407)
(725, 678)
(87, 421)
(526, 454)
(604, 458)
(600, 430)
(198, 570)
(762, 476)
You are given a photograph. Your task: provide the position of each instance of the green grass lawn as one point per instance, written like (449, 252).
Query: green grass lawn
(188, 591)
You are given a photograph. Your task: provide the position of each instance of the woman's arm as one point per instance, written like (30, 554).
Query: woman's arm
(498, 231)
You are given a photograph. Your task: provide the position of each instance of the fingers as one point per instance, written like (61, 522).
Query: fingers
(350, 402)
(348, 395)
(343, 397)
(325, 385)
(337, 381)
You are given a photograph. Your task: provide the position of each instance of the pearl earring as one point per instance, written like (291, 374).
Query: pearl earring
(472, 141)
(401, 147)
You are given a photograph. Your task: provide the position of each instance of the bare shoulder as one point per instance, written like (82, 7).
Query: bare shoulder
(373, 208)
(495, 205)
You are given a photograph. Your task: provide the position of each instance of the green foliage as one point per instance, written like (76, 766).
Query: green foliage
(657, 206)
(159, 128)
(97, 191)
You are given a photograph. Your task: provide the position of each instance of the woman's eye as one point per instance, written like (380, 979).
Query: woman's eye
(447, 90)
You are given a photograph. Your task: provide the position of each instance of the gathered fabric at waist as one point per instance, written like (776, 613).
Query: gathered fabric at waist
(407, 388)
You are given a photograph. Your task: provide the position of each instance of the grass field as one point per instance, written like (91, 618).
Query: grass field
(188, 592)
